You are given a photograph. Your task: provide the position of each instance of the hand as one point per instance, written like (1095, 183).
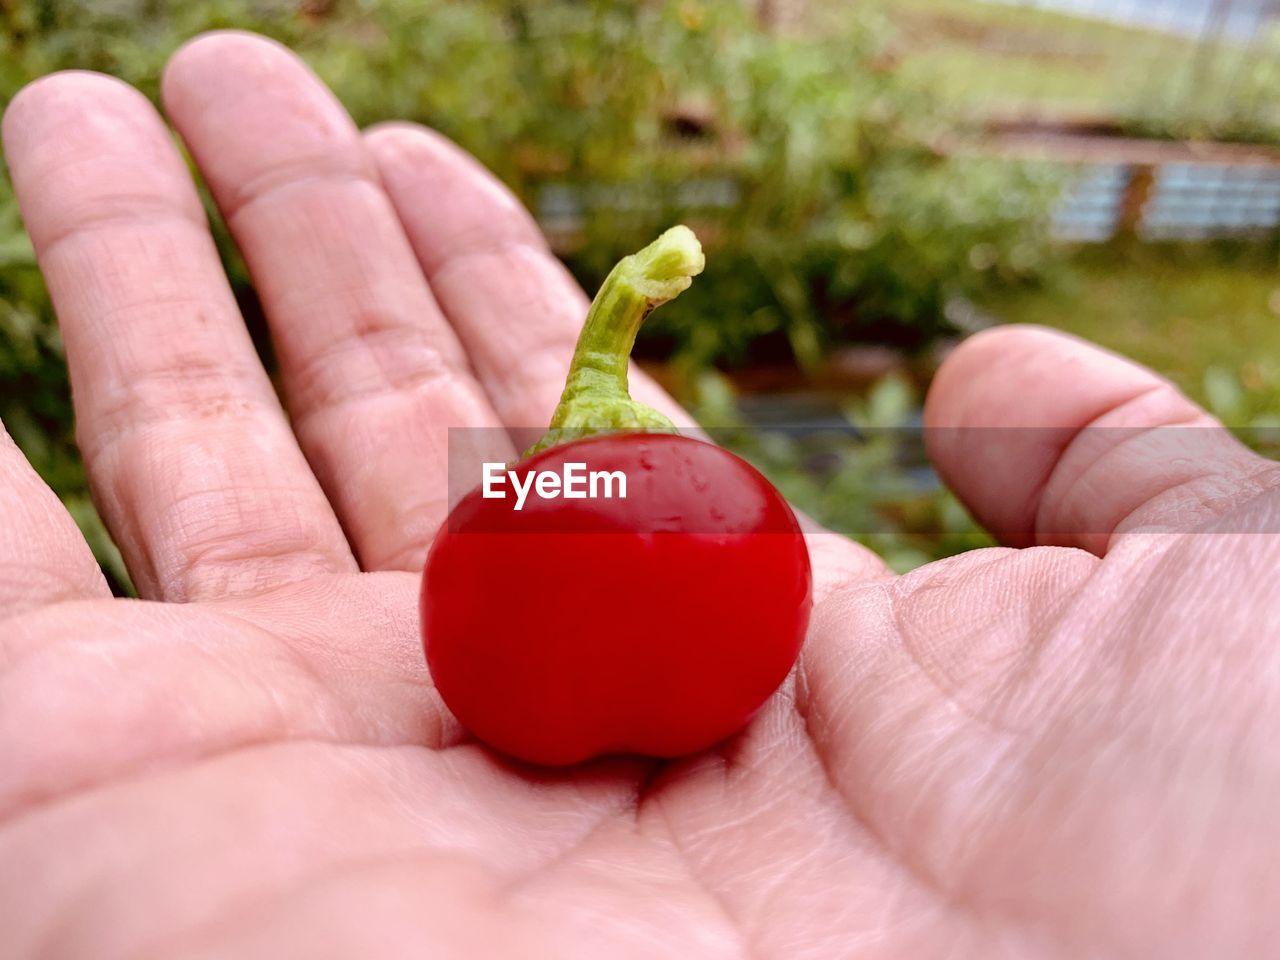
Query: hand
(1045, 752)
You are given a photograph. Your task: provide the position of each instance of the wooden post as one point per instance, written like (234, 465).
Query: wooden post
(1133, 200)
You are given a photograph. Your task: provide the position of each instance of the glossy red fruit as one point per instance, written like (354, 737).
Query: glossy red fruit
(656, 624)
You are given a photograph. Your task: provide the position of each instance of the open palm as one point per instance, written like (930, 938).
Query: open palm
(1040, 752)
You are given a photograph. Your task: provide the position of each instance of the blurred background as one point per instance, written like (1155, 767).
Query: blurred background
(873, 179)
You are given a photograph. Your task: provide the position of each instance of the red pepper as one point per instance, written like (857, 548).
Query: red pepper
(562, 628)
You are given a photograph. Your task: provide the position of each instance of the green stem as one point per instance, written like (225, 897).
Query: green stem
(596, 397)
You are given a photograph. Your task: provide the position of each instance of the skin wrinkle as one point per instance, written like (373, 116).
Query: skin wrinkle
(467, 255)
(305, 658)
(98, 100)
(750, 950)
(1171, 593)
(53, 803)
(1032, 664)
(34, 803)
(396, 351)
(745, 751)
(1246, 490)
(311, 397)
(1037, 501)
(360, 321)
(922, 880)
(1070, 382)
(45, 613)
(89, 226)
(766, 826)
(953, 902)
(1086, 703)
(502, 250)
(50, 583)
(194, 766)
(123, 419)
(502, 892)
(227, 563)
(132, 411)
(217, 566)
(64, 573)
(260, 905)
(1050, 607)
(1045, 800)
(510, 889)
(1055, 707)
(265, 907)
(1044, 505)
(190, 385)
(273, 731)
(223, 312)
(410, 555)
(949, 692)
(205, 340)
(322, 172)
(302, 663)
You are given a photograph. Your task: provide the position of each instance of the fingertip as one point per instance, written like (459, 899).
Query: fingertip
(1026, 376)
(212, 54)
(984, 380)
(248, 108)
(416, 152)
(470, 207)
(399, 134)
(248, 88)
(401, 146)
(408, 136)
(49, 98)
(79, 141)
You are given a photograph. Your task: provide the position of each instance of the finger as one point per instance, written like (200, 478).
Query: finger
(1050, 440)
(43, 557)
(516, 309)
(372, 373)
(190, 457)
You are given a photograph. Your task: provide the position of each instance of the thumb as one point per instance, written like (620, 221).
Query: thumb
(1050, 440)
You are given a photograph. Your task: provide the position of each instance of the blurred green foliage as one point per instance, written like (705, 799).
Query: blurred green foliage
(807, 163)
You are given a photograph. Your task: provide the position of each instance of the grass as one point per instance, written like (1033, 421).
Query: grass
(990, 58)
(1208, 319)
